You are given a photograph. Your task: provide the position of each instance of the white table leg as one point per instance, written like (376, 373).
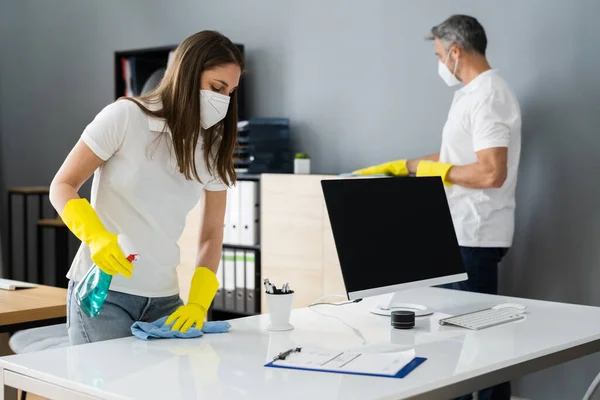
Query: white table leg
(6, 392)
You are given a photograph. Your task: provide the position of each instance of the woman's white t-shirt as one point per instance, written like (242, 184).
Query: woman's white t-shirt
(140, 192)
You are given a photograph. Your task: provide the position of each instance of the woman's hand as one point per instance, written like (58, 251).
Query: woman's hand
(202, 292)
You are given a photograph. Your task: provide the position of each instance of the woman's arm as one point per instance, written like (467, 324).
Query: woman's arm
(78, 214)
(77, 168)
(204, 282)
(210, 244)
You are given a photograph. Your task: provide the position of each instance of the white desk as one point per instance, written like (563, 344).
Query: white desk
(230, 366)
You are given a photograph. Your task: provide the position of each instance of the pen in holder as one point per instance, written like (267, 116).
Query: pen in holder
(280, 308)
(279, 302)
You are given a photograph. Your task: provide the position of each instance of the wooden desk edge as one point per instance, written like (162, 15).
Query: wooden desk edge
(30, 311)
(39, 314)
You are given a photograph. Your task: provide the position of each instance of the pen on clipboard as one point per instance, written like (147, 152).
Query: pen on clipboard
(285, 354)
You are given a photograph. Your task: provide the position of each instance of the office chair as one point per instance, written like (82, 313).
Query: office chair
(37, 339)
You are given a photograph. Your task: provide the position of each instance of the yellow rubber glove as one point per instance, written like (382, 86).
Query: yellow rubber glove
(397, 168)
(202, 292)
(82, 220)
(434, 168)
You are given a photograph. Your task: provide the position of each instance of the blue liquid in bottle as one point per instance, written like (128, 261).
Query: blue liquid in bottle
(92, 290)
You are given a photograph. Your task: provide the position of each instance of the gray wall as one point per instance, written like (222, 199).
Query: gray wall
(360, 85)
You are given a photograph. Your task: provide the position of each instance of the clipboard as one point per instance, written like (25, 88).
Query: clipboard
(347, 358)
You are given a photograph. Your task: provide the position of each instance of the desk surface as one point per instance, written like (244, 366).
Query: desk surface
(230, 366)
(28, 305)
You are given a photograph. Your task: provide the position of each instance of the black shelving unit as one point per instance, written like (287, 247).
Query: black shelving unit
(147, 61)
(239, 303)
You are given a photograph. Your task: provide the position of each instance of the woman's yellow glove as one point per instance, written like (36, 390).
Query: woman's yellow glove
(82, 220)
(434, 168)
(396, 168)
(202, 292)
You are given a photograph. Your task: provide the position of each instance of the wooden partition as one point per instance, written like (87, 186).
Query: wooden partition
(296, 239)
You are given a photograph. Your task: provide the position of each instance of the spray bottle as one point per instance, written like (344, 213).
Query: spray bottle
(92, 290)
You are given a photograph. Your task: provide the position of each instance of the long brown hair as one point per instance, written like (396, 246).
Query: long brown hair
(179, 92)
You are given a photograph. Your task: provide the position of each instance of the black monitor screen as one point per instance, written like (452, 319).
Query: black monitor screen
(391, 231)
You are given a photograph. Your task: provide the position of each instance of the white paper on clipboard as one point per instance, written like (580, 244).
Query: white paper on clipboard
(348, 361)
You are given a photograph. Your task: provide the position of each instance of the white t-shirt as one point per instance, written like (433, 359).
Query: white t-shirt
(484, 114)
(140, 192)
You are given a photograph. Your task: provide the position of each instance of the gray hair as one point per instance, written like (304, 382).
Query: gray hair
(462, 30)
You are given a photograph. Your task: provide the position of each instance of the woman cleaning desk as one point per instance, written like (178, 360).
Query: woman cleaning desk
(153, 158)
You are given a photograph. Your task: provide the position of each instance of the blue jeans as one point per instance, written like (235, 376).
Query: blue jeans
(481, 264)
(118, 313)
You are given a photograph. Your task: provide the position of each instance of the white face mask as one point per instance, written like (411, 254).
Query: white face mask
(448, 77)
(213, 108)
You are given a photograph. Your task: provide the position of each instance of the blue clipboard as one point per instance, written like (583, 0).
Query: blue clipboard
(407, 369)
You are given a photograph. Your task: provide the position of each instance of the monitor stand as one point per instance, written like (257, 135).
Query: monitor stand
(389, 303)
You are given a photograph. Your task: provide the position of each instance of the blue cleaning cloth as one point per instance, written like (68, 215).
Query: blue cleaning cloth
(158, 330)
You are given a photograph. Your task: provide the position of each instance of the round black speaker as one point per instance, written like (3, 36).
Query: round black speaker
(403, 319)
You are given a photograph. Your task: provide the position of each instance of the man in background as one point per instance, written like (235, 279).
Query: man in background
(478, 159)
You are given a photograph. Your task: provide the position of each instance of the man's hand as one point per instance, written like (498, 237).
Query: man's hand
(413, 165)
(435, 168)
(395, 168)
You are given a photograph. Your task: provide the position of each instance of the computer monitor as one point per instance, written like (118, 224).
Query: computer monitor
(392, 234)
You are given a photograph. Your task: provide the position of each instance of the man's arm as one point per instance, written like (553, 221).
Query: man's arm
(492, 121)
(412, 165)
(488, 172)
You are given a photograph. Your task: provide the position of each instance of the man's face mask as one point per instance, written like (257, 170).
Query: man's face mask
(445, 73)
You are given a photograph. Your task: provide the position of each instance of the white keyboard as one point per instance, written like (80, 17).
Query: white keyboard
(7, 284)
(485, 318)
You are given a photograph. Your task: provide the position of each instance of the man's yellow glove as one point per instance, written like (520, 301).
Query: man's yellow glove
(396, 168)
(202, 292)
(434, 168)
(82, 220)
